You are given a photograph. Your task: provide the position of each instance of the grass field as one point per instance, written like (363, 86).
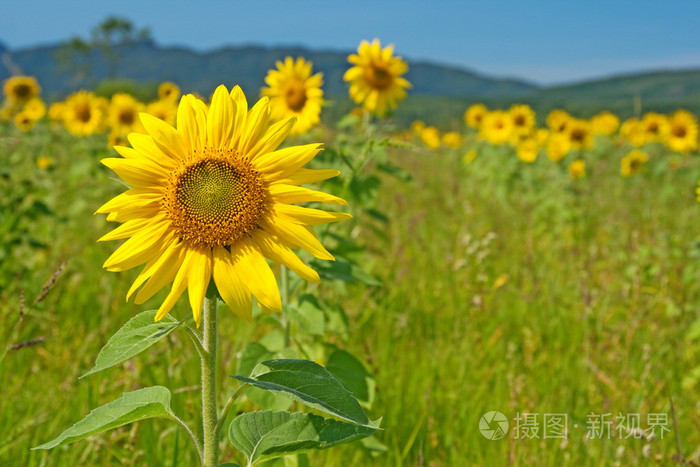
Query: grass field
(507, 287)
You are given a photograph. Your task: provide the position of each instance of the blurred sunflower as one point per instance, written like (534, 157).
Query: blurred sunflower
(417, 126)
(84, 113)
(56, 111)
(123, 114)
(474, 115)
(35, 108)
(557, 120)
(294, 92)
(213, 199)
(577, 169)
(24, 121)
(558, 146)
(375, 79)
(527, 150)
(579, 133)
(523, 119)
(496, 127)
(683, 131)
(654, 127)
(633, 162)
(452, 139)
(19, 89)
(168, 91)
(633, 132)
(430, 137)
(605, 123)
(542, 137)
(163, 109)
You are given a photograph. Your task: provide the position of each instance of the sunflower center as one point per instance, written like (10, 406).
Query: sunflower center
(519, 120)
(22, 91)
(83, 112)
(126, 117)
(295, 95)
(377, 76)
(577, 135)
(216, 200)
(653, 127)
(679, 131)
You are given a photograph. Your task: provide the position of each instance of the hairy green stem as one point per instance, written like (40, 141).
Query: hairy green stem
(194, 439)
(209, 412)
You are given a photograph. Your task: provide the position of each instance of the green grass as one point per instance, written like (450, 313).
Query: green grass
(603, 284)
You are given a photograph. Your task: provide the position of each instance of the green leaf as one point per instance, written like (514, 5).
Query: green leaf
(352, 374)
(138, 334)
(311, 384)
(252, 355)
(265, 435)
(309, 316)
(130, 407)
(344, 270)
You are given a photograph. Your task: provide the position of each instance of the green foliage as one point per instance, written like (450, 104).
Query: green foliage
(130, 407)
(309, 383)
(266, 435)
(138, 334)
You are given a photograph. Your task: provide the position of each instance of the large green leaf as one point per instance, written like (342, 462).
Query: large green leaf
(266, 435)
(310, 384)
(352, 374)
(138, 334)
(130, 407)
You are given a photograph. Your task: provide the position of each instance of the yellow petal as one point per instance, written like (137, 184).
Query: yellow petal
(255, 126)
(220, 118)
(198, 279)
(158, 272)
(308, 216)
(136, 172)
(284, 162)
(191, 124)
(140, 248)
(241, 115)
(166, 137)
(250, 264)
(271, 247)
(290, 194)
(273, 137)
(230, 286)
(145, 145)
(304, 176)
(296, 235)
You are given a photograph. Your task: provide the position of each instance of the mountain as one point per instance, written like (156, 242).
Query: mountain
(246, 66)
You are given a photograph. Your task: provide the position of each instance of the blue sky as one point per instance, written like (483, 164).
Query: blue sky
(544, 41)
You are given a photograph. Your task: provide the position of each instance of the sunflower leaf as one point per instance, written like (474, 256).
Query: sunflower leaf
(130, 407)
(311, 384)
(266, 435)
(138, 334)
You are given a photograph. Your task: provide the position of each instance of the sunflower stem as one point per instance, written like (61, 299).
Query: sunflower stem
(209, 412)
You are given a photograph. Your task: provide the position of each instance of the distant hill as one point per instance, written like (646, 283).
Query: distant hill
(247, 66)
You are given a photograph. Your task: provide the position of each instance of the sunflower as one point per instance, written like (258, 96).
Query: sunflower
(633, 132)
(164, 109)
(417, 126)
(523, 119)
(558, 146)
(654, 127)
(168, 91)
(474, 115)
(35, 108)
(577, 169)
(84, 113)
(19, 89)
(452, 139)
(557, 120)
(605, 123)
(123, 114)
(683, 132)
(527, 150)
(579, 133)
(376, 80)
(430, 137)
(294, 92)
(56, 111)
(496, 127)
(633, 162)
(24, 121)
(211, 200)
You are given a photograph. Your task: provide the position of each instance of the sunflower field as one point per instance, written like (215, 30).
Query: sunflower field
(514, 289)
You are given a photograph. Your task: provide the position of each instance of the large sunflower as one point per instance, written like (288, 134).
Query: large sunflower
(19, 89)
(211, 200)
(376, 80)
(683, 131)
(294, 92)
(84, 113)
